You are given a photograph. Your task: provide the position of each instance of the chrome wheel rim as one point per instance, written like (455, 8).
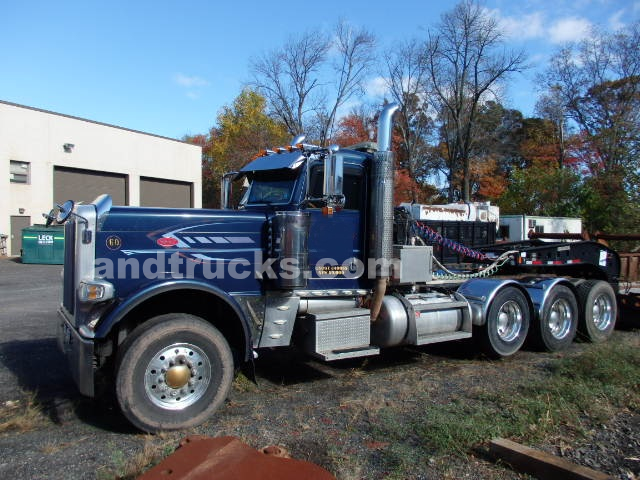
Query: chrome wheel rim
(602, 312)
(177, 376)
(560, 319)
(509, 321)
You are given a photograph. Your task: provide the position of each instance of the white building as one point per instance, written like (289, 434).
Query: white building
(47, 158)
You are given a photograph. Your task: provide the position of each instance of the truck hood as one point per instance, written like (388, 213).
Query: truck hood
(200, 234)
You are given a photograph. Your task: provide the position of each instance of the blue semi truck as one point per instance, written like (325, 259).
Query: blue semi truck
(165, 305)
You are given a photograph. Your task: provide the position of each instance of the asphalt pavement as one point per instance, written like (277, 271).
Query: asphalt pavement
(29, 358)
(69, 442)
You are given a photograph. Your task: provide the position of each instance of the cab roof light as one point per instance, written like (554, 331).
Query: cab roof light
(277, 150)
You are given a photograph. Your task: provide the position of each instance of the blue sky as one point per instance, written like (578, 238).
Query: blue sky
(167, 67)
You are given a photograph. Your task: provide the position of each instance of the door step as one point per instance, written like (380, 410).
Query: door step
(350, 353)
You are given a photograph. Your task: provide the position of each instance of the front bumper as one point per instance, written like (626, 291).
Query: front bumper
(79, 353)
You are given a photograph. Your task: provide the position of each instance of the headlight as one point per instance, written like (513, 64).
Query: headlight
(95, 291)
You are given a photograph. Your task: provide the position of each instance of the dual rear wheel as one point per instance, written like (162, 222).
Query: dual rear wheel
(590, 312)
(599, 310)
(556, 326)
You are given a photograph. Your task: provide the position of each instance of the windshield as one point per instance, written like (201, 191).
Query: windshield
(269, 189)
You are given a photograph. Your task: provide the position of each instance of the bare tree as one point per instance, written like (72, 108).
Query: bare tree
(288, 77)
(551, 107)
(598, 84)
(303, 88)
(354, 57)
(466, 63)
(406, 76)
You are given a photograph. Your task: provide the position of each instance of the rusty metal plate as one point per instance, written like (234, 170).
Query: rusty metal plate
(227, 458)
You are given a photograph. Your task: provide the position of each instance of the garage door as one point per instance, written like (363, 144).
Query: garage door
(156, 192)
(85, 185)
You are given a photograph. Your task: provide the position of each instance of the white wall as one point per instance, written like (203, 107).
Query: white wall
(37, 137)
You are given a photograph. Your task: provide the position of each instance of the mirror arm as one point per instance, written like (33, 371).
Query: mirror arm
(86, 233)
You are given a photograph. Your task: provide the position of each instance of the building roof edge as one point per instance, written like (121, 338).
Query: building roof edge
(4, 102)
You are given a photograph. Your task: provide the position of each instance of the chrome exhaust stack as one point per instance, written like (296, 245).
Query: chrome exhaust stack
(381, 212)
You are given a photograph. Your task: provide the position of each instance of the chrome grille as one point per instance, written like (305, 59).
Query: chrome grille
(68, 292)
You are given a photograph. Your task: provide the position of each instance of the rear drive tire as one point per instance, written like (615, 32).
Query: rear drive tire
(173, 372)
(556, 327)
(507, 323)
(598, 310)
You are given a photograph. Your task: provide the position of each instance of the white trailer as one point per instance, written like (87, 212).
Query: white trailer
(514, 228)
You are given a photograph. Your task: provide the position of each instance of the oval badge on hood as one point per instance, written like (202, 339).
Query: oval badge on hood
(167, 241)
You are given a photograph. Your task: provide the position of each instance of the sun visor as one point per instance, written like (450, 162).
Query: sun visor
(276, 161)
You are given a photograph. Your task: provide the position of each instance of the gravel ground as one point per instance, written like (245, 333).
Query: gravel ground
(614, 448)
(325, 413)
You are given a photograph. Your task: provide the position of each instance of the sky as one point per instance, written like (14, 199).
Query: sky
(168, 67)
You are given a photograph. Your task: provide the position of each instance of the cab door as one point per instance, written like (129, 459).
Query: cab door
(337, 241)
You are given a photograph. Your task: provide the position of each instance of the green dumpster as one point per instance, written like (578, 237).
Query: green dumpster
(41, 244)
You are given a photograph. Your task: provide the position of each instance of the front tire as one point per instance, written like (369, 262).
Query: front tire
(173, 372)
(599, 310)
(507, 323)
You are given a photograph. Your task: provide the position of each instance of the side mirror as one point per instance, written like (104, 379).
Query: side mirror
(64, 211)
(51, 216)
(333, 178)
(225, 189)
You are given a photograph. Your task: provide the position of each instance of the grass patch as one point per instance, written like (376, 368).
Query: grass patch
(242, 384)
(20, 415)
(343, 465)
(129, 467)
(577, 392)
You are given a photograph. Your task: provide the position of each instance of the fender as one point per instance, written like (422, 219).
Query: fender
(539, 290)
(480, 292)
(120, 311)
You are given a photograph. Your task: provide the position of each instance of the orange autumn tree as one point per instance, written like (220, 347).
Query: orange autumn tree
(354, 128)
(210, 180)
(243, 129)
(487, 180)
(539, 145)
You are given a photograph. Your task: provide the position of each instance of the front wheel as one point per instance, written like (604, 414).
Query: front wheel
(173, 372)
(507, 323)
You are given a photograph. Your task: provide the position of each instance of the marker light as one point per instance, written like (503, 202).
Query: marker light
(95, 291)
